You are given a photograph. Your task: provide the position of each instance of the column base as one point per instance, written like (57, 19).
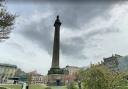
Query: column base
(56, 77)
(56, 80)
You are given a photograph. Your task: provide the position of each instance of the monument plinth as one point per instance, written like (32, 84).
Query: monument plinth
(56, 74)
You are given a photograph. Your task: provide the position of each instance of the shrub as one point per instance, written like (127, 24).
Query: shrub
(48, 88)
(71, 85)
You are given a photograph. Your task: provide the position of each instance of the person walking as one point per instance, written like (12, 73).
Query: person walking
(24, 86)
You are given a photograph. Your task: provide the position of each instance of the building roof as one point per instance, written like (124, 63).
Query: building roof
(112, 57)
(8, 65)
(35, 73)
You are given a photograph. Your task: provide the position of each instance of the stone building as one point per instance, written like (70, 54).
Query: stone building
(112, 62)
(72, 70)
(70, 73)
(20, 75)
(7, 71)
(37, 78)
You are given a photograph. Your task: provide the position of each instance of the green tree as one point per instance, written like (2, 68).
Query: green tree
(101, 77)
(114, 79)
(6, 21)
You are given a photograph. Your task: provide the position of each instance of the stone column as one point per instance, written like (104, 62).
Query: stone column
(56, 46)
(56, 74)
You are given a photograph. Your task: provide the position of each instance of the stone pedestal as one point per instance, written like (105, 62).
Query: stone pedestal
(56, 77)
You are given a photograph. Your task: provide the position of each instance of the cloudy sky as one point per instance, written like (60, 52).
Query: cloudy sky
(90, 31)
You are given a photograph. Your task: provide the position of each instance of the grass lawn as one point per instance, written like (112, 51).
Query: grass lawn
(59, 87)
(12, 86)
(18, 86)
(37, 86)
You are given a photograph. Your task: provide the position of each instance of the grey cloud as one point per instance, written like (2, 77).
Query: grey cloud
(18, 47)
(73, 48)
(39, 33)
(73, 16)
(102, 31)
(76, 15)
